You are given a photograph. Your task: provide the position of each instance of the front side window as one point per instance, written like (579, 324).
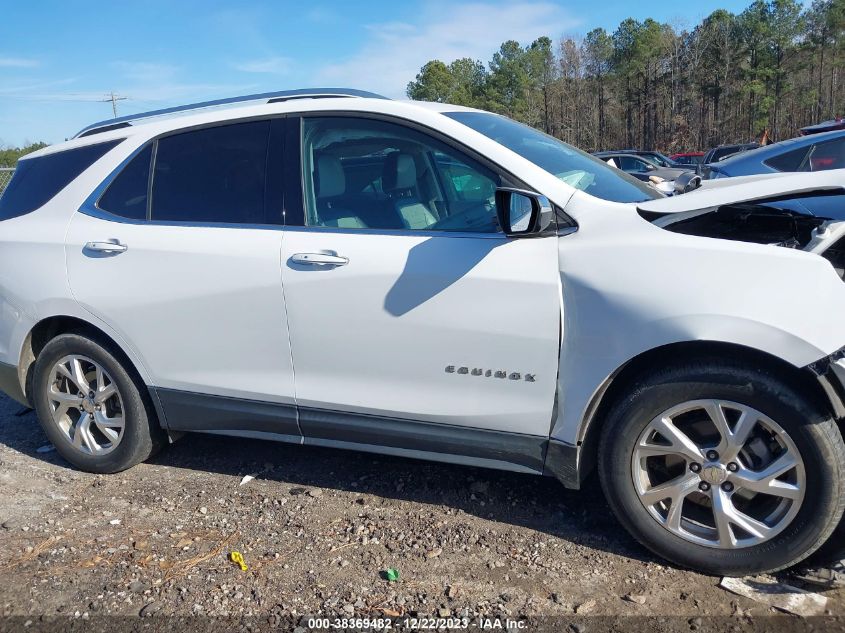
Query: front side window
(632, 164)
(366, 173)
(37, 180)
(214, 175)
(574, 167)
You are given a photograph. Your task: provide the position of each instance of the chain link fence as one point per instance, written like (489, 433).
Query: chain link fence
(5, 177)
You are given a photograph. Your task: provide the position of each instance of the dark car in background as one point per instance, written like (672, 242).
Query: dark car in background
(815, 152)
(643, 168)
(721, 152)
(658, 158)
(825, 126)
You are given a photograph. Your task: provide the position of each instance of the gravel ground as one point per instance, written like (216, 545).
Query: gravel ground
(317, 529)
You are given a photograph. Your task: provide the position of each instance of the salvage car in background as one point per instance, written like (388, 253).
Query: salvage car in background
(722, 152)
(825, 126)
(334, 268)
(642, 168)
(658, 158)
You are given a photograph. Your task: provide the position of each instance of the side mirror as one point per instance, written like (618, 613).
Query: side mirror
(523, 212)
(686, 182)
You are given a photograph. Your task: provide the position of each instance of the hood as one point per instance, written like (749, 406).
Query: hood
(762, 189)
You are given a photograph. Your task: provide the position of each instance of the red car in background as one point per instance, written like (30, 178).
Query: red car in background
(688, 158)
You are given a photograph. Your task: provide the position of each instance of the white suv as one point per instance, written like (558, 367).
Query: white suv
(332, 268)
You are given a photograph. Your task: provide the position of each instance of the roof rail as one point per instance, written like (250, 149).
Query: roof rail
(270, 97)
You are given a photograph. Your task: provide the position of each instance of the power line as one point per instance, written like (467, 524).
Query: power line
(114, 99)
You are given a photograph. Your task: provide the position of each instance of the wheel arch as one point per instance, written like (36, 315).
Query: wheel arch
(48, 328)
(626, 376)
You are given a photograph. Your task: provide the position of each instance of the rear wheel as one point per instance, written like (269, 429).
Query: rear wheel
(91, 408)
(723, 469)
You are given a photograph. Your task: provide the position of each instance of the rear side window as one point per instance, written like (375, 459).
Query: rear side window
(38, 180)
(828, 155)
(212, 175)
(127, 194)
(788, 161)
(719, 154)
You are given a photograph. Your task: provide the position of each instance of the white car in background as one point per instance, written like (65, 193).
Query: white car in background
(327, 267)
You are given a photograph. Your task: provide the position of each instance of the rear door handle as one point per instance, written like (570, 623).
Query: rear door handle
(319, 259)
(112, 247)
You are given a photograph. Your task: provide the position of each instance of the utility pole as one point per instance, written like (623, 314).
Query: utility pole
(114, 99)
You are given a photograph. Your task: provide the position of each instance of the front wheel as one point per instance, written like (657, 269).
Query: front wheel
(723, 469)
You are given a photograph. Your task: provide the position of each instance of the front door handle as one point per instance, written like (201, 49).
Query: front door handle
(111, 247)
(319, 259)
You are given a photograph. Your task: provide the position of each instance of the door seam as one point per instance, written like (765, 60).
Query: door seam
(290, 336)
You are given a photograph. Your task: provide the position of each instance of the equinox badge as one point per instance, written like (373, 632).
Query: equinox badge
(490, 373)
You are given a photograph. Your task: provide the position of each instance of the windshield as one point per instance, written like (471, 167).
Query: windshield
(660, 159)
(574, 167)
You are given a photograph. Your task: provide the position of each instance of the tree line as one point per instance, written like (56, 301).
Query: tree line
(762, 73)
(9, 156)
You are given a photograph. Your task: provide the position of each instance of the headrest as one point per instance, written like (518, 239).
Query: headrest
(330, 178)
(400, 172)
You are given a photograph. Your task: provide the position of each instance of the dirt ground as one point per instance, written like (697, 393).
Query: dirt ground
(317, 529)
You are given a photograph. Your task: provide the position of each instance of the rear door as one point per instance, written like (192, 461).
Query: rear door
(415, 323)
(185, 265)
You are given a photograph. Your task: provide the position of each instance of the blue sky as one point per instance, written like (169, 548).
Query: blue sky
(59, 59)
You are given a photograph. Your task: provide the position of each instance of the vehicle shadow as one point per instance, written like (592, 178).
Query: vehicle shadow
(527, 501)
(432, 266)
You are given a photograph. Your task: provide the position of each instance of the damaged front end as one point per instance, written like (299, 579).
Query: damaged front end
(798, 211)
(755, 223)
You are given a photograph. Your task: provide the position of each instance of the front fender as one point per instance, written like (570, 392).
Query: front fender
(630, 287)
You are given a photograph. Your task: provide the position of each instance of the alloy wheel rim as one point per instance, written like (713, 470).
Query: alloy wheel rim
(719, 474)
(86, 405)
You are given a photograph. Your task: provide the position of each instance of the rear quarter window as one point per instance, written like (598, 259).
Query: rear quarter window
(38, 180)
(126, 196)
(788, 161)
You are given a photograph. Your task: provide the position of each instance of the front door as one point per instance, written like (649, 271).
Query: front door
(191, 279)
(406, 304)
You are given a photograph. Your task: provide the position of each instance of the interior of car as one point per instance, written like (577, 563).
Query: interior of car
(375, 175)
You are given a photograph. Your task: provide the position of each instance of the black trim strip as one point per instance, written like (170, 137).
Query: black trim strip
(187, 411)
(294, 214)
(562, 464)
(10, 383)
(821, 366)
(525, 450)
(105, 128)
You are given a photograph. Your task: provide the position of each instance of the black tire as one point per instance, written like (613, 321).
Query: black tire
(142, 435)
(813, 432)
(833, 550)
